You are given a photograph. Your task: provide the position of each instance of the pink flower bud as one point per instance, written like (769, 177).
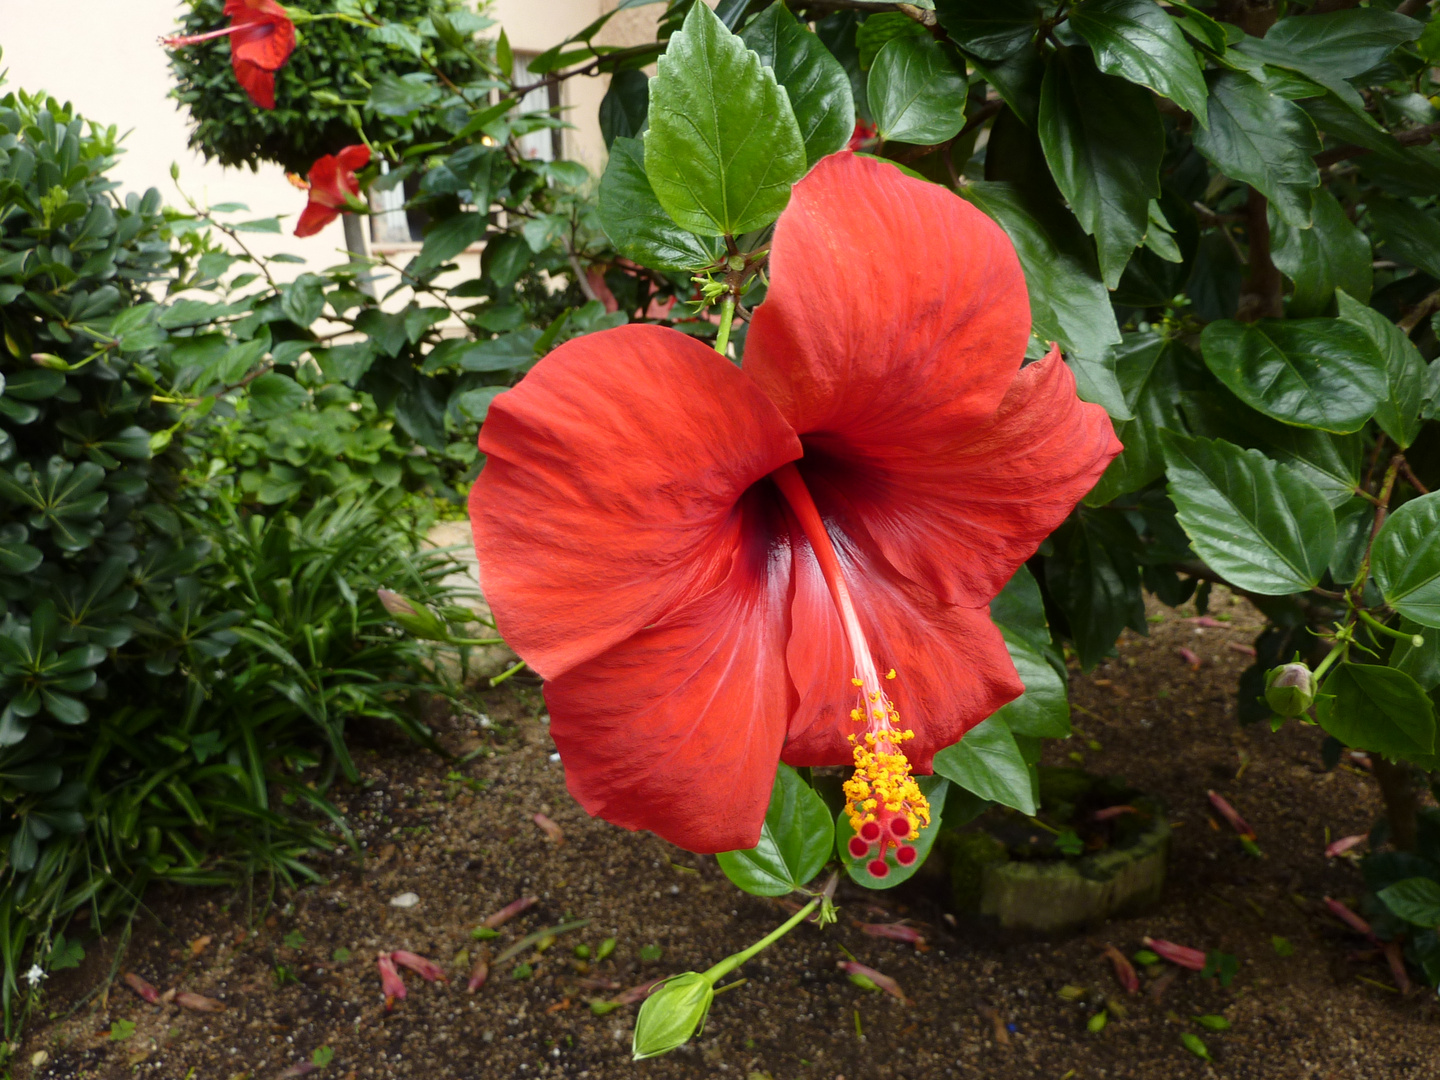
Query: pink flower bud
(1344, 844)
(876, 978)
(390, 981)
(1124, 970)
(896, 932)
(426, 969)
(552, 831)
(198, 1002)
(143, 989)
(509, 911)
(479, 973)
(1229, 813)
(1348, 917)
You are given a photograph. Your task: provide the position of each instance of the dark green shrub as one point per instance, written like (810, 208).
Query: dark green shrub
(333, 65)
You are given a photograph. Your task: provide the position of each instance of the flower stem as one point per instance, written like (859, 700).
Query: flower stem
(475, 641)
(727, 316)
(730, 963)
(498, 679)
(1375, 624)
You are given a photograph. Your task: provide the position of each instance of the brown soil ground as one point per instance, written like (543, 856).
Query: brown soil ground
(985, 1003)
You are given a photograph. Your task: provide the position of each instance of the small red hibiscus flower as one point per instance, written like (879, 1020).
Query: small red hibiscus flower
(262, 37)
(864, 134)
(333, 188)
(717, 569)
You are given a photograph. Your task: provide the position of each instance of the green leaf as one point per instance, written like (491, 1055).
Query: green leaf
(1399, 410)
(1368, 707)
(1103, 140)
(1406, 560)
(1043, 710)
(1264, 140)
(794, 841)
(1148, 371)
(991, 29)
(447, 238)
(1095, 382)
(1094, 579)
(303, 300)
(988, 763)
(1068, 301)
(1416, 900)
(879, 30)
(1258, 524)
(1319, 373)
(393, 95)
(723, 146)
(1136, 40)
(16, 556)
(638, 225)
(935, 789)
(1410, 233)
(506, 257)
(1019, 610)
(398, 35)
(273, 394)
(1331, 254)
(625, 106)
(1343, 44)
(916, 93)
(816, 82)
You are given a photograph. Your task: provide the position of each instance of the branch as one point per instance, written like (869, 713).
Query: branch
(1419, 311)
(1261, 296)
(591, 68)
(846, 5)
(1414, 137)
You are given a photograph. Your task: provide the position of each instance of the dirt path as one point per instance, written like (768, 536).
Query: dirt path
(464, 842)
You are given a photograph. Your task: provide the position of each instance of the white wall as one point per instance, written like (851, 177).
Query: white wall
(104, 57)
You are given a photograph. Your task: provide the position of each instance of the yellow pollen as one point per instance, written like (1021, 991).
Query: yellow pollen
(856, 682)
(882, 776)
(890, 674)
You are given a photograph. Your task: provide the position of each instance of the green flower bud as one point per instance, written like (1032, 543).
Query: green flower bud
(1290, 689)
(414, 619)
(673, 1012)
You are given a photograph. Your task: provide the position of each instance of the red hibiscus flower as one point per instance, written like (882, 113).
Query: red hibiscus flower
(716, 569)
(262, 37)
(333, 188)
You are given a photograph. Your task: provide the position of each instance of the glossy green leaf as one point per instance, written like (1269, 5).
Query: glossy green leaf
(935, 789)
(1331, 254)
(1344, 43)
(988, 763)
(1411, 234)
(916, 93)
(273, 394)
(1264, 140)
(1258, 524)
(1416, 900)
(1068, 301)
(1320, 373)
(448, 237)
(1137, 41)
(625, 107)
(723, 147)
(394, 95)
(1147, 369)
(1353, 521)
(1043, 710)
(1399, 411)
(878, 30)
(1094, 578)
(817, 84)
(1405, 560)
(1019, 610)
(991, 29)
(1096, 383)
(1103, 140)
(1381, 709)
(638, 225)
(794, 841)
(303, 300)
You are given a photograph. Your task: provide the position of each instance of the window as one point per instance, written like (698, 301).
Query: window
(545, 144)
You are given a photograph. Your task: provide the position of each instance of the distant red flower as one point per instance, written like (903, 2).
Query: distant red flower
(333, 188)
(715, 569)
(262, 37)
(865, 133)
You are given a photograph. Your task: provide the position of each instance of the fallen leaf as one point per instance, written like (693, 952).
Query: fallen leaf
(200, 944)
(879, 979)
(1124, 970)
(559, 1006)
(198, 1002)
(303, 1068)
(636, 993)
(142, 989)
(509, 911)
(1002, 1034)
(552, 831)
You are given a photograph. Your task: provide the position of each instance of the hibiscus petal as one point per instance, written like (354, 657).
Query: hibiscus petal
(678, 729)
(353, 159)
(326, 186)
(267, 37)
(896, 310)
(609, 495)
(952, 667)
(256, 81)
(314, 218)
(959, 521)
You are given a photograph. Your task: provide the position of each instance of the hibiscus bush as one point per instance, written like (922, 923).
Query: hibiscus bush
(1223, 220)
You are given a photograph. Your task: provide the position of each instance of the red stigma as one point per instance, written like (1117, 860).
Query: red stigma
(878, 868)
(900, 827)
(870, 832)
(858, 848)
(906, 855)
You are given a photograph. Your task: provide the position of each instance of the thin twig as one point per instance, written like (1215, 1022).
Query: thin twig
(1409, 475)
(1414, 137)
(1419, 311)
